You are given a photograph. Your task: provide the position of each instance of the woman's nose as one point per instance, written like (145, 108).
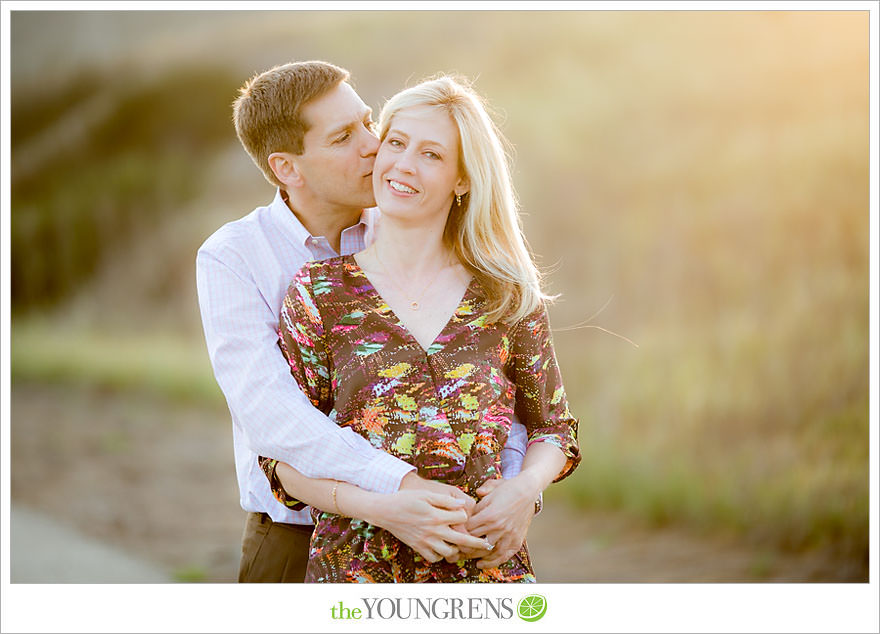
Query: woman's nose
(404, 162)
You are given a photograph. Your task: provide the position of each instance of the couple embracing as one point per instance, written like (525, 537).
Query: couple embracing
(381, 337)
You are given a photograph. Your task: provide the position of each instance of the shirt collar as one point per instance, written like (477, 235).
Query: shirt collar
(290, 225)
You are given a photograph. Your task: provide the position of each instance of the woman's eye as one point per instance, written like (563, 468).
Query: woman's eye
(395, 143)
(432, 155)
(343, 138)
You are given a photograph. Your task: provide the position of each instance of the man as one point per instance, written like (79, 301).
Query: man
(312, 137)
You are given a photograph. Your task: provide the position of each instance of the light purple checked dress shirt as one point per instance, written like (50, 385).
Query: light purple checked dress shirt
(242, 272)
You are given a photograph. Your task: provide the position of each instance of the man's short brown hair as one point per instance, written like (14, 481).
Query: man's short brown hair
(268, 111)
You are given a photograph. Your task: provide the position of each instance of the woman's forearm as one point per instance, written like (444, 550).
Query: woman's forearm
(331, 496)
(542, 464)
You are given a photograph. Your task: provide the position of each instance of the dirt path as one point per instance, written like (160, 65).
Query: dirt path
(156, 479)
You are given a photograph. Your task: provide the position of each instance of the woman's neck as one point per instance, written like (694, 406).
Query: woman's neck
(412, 249)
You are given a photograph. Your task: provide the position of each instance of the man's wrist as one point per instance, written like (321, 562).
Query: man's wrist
(409, 480)
(384, 473)
(370, 507)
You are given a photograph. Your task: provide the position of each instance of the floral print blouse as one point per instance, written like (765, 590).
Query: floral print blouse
(446, 410)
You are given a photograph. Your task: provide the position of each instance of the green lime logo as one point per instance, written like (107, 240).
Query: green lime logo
(532, 607)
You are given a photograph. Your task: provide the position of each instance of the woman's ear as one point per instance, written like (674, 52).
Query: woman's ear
(462, 187)
(284, 167)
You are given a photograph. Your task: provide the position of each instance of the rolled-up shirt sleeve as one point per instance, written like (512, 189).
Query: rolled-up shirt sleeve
(541, 404)
(278, 420)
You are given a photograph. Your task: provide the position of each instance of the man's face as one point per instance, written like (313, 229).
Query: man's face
(339, 149)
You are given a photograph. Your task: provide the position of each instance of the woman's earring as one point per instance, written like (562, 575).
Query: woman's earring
(458, 200)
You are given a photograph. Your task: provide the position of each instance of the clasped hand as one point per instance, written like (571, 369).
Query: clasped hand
(440, 521)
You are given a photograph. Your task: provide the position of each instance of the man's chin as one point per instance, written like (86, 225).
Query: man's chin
(357, 202)
(360, 200)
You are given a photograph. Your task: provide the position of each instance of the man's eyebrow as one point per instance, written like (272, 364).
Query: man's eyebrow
(348, 125)
(367, 113)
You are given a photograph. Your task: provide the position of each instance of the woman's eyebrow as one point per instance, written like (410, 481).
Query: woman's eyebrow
(423, 142)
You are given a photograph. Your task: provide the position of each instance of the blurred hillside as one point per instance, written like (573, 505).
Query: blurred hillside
(695, 182)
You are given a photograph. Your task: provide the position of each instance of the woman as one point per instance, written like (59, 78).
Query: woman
(427, 343)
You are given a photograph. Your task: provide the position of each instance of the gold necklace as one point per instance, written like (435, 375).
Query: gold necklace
(413, 303)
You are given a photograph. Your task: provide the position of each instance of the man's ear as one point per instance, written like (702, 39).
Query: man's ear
(285, 169)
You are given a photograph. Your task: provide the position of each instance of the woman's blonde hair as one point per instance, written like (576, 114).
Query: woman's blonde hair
(485, 230)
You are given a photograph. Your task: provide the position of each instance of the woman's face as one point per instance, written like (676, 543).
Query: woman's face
(416, 174)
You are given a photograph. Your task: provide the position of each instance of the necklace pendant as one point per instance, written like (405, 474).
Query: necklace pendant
(414, 306)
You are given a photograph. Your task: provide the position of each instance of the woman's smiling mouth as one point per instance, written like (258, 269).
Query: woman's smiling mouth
(401, 187)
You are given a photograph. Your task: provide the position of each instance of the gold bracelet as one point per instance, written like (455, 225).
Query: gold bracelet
(335, 503)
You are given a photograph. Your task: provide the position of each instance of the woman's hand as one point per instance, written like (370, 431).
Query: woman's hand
(506, 507)
(503, 515)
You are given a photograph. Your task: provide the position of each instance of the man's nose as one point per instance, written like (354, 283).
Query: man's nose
(370, 144)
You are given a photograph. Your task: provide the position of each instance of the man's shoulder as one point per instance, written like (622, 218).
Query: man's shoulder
(237, 234)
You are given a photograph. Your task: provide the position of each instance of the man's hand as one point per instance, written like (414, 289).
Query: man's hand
(414, 482)
(423, 520)
(430, 517)
(503, 516)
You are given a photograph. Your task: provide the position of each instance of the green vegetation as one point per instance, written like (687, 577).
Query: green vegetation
(190, 574)
(164, 365)
(98, 162)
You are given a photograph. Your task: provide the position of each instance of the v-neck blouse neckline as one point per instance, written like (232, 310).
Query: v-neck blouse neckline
(384, 307)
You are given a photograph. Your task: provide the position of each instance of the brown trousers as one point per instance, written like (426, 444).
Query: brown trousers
(272, 552)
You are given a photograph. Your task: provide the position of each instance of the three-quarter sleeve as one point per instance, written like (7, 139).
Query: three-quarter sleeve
(541, 404)
(301, 339)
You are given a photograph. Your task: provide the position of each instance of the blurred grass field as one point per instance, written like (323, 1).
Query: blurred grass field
(696, 182)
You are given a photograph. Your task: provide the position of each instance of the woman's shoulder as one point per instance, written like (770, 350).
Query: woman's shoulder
(533, 327)
(323, 269)
(324, 280)
(313, 275)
